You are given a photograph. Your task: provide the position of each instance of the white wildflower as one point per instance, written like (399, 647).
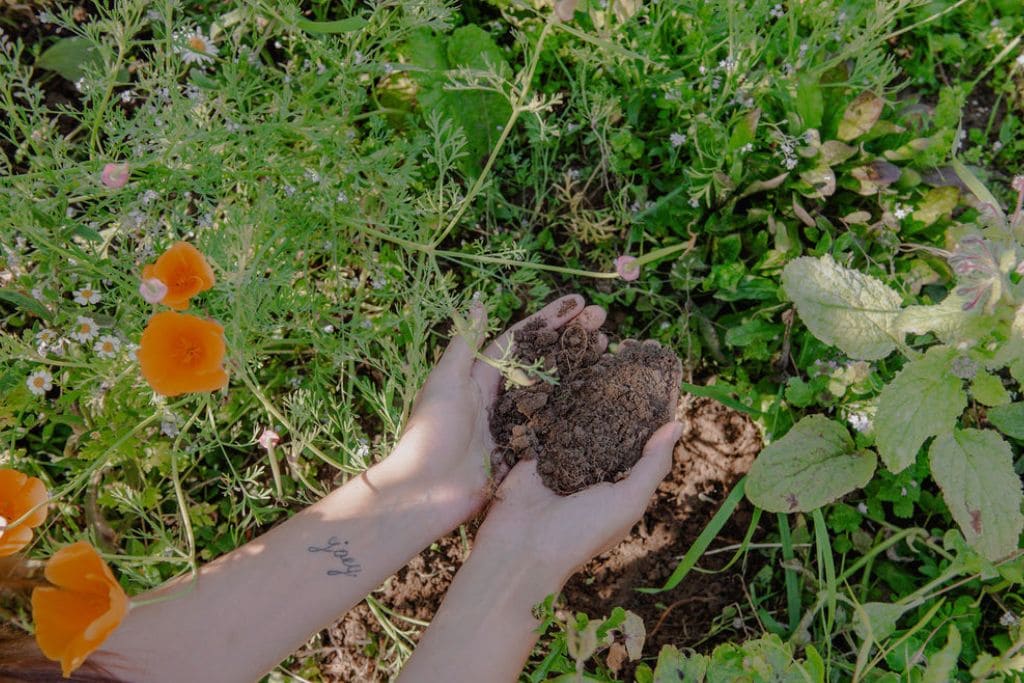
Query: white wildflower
(677, 139)
(86, 295)
(107, 346)
(39, 382)
(1009, 619)
(194, 47)
(777, 12)
(85, 329)
(859, 421)
(169, 428)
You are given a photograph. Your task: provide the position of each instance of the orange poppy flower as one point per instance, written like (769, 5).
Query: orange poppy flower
(180, 354)
(19, 493)
(82, 608)
(185, 273)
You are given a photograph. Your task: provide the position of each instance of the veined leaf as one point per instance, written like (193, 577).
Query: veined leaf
(860, 116)
(943, 663)
(1009, 419)
(922, 400)
(815, 463)
(844, 307)
(974, 468)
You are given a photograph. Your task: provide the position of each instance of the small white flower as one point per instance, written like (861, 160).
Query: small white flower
(862, 508)
(86, 295)
(694, 202)
(859, 421)
(312, 176)
(195, 47)
(39, 382)
(777, 12)
(791, 163)
(329, 329)
(127, 96)
(1020, 59)
(85, 329)
(37, 293)
(169, 428)
(46, 336)
(1009, 619)
(997, 146)
(900, 213)
(702, 69)
(153, 290)
(268, 439)
(677, 139)
(107, 346)
(747, 148)
(342, 198)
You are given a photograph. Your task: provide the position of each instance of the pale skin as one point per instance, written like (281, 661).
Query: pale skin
(251, 608)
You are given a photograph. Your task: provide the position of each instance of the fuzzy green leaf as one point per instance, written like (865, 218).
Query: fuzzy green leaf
(1009, 419)
(922, 401)
(943, 663)
(936, 203)
(815, 463)
(877, 620)
(988, 390)
(947, 320)
(844, 307)
(974, 469)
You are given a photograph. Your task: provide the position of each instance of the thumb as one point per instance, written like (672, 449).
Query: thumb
(461, 352)
(655, 464)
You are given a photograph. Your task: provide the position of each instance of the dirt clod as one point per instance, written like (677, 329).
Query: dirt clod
(592, 425)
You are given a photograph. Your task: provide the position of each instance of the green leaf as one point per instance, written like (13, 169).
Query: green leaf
(948, 320)
(936, 203)
(978, 188)
(675, 667)
(844, 307)
(25, 303)
(347, 25)
(810, 105)
(1009, 419)
(922, 400)
(974, 469)
(943, 664)
(877, 620)
(745, 130)
(815, 463)
(70, 57)
(860, 116)
(988, 390)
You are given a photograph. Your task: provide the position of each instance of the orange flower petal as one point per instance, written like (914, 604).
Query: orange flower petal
(81, 611)
(20, 493)
(184, 270)
(180, 353)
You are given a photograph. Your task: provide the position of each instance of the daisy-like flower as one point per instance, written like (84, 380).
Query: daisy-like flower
(86, 295)
(677, 139)
(107, 346)
(195, 48)
(39, 382)
(85, 329)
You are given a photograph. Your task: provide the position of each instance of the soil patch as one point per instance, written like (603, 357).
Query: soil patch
(592, 425)
(717, 447)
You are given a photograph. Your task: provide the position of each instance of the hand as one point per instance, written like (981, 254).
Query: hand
(447, 442)
(532, 525)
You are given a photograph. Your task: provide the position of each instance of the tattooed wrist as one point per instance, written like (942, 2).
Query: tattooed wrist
(338, 549)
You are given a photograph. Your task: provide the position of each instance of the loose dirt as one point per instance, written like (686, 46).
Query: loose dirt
(716, 449)
(592, 425)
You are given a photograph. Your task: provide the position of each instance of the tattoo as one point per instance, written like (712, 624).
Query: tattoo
(337, 549)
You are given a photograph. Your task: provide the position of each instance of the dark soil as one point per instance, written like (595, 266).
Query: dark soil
(592, 425)
(716, 449)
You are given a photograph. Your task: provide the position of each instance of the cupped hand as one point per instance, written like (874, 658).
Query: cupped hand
(558, 534)
(447, 442)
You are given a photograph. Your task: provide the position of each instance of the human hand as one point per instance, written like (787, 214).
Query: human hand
(447, 442)
(554, 535)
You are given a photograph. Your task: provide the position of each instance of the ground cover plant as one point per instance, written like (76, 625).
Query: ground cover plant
(814, 205)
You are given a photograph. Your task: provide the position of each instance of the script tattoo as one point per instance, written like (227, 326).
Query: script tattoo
(337, 548)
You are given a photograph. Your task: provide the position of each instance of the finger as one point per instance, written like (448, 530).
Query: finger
(653, 466)
(555, 314)
(602, 342)
(591, 318)
(461, 352)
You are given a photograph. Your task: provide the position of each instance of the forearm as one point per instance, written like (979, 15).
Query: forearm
(485, 628)
(254, 606)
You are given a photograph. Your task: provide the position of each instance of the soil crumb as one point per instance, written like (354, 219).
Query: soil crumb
(592, 425)
(717, 447)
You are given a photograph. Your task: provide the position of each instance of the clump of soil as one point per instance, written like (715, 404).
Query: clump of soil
(716, 449)
(592, 425)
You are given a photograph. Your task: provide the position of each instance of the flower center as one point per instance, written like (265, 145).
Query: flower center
(197, 44)
(108, 347)
(191, 352)
(38, 382)
(84, 328)
(86, 293)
